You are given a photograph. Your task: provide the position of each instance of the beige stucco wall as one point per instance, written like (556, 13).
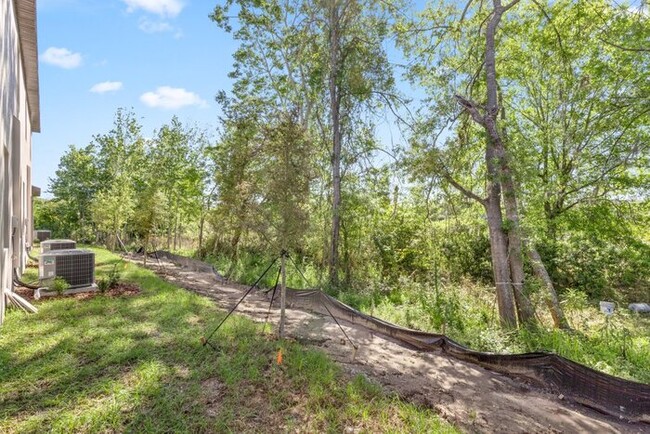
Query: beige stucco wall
(15, 153)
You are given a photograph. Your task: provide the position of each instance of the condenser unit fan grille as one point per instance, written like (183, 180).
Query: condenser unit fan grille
(77, 267)
(50, 245)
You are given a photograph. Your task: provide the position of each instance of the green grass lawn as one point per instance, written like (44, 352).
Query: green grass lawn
(136, 364)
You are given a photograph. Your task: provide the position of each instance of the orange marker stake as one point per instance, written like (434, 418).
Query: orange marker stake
(279, 359)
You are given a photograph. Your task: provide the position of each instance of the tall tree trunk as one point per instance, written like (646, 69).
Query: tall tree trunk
(525, 309)
(494, 160)
(204, 210)
(176, 231)
(234, 243)
(346, 256)
(559, 320)
(335, 108)
(283, 294)
(144, 252)
(499, 248)
(200, 249)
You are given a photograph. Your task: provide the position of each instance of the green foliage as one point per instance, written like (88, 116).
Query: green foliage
(617, 346)
(110, 281)
(149, 213)
(111, 210)
(573, 115)
(59, 285)
(50, 214)
(574, 121)
(74, 188)
(103, 285)
(287, 152)
(123, 185)
(600, 252)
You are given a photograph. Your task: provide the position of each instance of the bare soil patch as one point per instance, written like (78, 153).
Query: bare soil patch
(471, 397)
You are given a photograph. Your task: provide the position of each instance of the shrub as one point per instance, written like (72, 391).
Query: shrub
(60, 285)
(103, 285)
(110, 281)
(113, 277)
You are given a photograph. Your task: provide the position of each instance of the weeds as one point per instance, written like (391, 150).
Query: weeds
(467, 313)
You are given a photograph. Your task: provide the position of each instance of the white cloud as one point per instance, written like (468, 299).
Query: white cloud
(106, 86)
(171, 98)
(149, 26)
(61, 57)
(165, 8)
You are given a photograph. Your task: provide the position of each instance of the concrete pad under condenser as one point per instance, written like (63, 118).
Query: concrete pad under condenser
(91, 288)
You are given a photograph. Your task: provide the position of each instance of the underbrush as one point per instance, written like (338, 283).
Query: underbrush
(136, 364)
(467, 313)
(250, 267)
(618, 345)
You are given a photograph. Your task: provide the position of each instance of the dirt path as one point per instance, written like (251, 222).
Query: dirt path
(473, 398)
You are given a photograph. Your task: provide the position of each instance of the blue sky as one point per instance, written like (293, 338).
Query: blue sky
(159, 57)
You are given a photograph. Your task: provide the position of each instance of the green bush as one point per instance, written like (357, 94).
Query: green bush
(103, 285)
(60, 285)
(111, 280)
(113, 277)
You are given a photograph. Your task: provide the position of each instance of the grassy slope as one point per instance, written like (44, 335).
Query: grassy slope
(135, 364)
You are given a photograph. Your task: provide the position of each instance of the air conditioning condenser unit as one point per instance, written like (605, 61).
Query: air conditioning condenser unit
(76, 266)
(49, 245)
(42, 234)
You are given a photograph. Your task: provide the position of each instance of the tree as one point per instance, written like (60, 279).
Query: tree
(119, 157)
(286, 153)
(281, 65)
(111, 209)
(74, 186)
(577, 125)
(580, 124)
(52, 214)
(175, 160)
(149, 215)
(358, 76)
(505, 239)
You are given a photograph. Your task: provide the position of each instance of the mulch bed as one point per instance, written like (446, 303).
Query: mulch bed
(123, 289)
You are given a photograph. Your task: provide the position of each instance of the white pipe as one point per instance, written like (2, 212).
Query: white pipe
(21, 302)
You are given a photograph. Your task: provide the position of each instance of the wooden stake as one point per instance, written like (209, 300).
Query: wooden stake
(283, 293)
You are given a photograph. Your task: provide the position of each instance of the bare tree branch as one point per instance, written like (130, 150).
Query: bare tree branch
(509, 5)
(450, 179)
(462, 17)
(472, 108)
(447, 176)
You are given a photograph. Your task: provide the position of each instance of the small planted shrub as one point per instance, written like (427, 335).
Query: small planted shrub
(111, 280)
(113, 277)
(60, 285)
(103, 284)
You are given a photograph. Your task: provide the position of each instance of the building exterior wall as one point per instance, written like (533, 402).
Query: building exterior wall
(16, 222)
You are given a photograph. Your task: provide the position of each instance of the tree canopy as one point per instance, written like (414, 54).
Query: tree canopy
(390, 146)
